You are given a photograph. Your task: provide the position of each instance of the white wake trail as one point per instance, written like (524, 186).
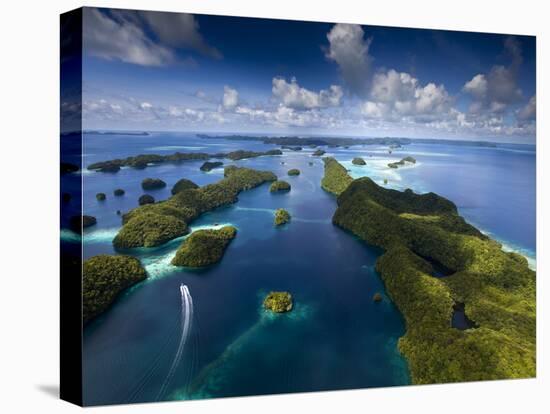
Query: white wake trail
(186, 320)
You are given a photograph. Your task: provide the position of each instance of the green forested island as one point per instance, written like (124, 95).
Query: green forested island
(358, 161)
(278, 302)
(103, 278)
(155, 224)
(210, 165)
(311, 141)
(279, 186)
(402, 162)
(152, 184)
(281, 217)
(143, 160)
(204, 247)
(293, 171)
(495, 289)
(336, 178)
(146, 199)
(77, 223)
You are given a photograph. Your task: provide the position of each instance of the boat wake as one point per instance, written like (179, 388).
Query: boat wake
(186, 322)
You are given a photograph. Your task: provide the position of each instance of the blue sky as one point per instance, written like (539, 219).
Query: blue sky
(173, 71)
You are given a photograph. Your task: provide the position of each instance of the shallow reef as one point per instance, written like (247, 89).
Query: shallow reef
(104, 277)
(204, 247)
(496, 288)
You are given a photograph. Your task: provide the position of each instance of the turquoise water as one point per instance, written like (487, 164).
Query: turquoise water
(336, 337)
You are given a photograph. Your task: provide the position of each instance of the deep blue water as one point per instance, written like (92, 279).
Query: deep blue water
(336, 337)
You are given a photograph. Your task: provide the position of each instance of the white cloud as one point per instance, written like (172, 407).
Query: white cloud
(294, 96)
(230, 98)
(374, 109)
(395, 95)
(122, 40)
(497, 89)
(529, 111)
(477, 87)
(349, 49)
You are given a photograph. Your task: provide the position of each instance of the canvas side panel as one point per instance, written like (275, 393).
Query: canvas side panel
(71, 206)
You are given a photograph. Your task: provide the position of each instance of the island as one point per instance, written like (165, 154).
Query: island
(119, 192)
(67, 168)
(104, 277)
(204, 247)
(77, 223)
(182, 185)
(420, 233)
(291, 148)
(152, 184)
(278, 302)
(100, 196)
(403, 161)
(377, 297)
(146, 199)
(336, 178)
(281, 217)
(358, 161)
(293, 171)
(210, 165)
(279, 186)
(155, 224)
(318, 153)
(242, 154)
(143, 160)
(311, 142)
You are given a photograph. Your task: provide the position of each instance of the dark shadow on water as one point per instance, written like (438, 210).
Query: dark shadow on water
(51, 390)
(460, 320)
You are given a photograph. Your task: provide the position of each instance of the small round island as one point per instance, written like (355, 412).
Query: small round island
(279, 186)
(278, 302)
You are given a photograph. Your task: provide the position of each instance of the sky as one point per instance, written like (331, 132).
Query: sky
(161, 71)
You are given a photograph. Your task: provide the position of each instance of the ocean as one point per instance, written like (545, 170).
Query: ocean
(336, 337)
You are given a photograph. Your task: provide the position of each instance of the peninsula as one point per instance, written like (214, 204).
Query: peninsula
(494, 289)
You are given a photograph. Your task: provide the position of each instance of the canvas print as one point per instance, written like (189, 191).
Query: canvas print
(272, 206)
